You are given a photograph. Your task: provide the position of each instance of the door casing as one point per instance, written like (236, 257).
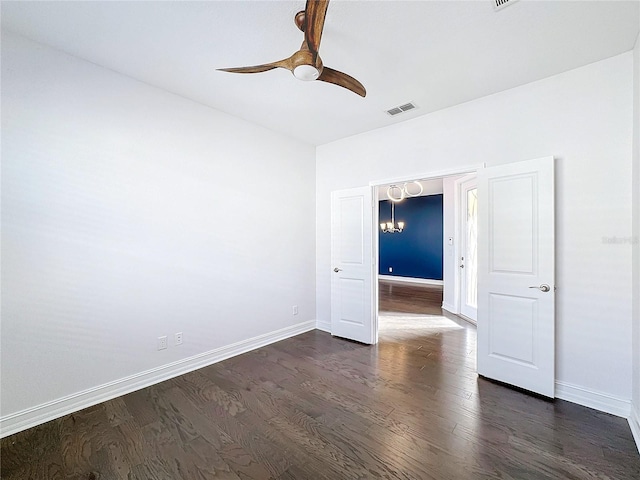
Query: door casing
(461, 245)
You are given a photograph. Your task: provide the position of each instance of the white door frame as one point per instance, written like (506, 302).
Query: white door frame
(469, 169)
(460, 234)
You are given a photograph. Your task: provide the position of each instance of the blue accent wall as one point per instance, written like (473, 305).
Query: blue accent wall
(417, 251)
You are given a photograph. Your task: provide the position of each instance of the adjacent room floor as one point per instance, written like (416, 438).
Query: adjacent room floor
(318, 407)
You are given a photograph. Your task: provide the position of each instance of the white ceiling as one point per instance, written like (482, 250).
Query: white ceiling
(429, 187)
(434, 53)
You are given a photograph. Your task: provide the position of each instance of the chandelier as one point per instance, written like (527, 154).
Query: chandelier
(396, 194)
(390, 227)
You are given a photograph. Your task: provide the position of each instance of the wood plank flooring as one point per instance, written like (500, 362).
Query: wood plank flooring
(317, 407)
(409, 298)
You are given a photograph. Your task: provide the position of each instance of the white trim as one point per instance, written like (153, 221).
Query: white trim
(449, 308)
(468, 319)
(456, 244)
(425, 281)
(324, 326)
(592, 399)
(375, 268)
(634, 424)
(461, 186)
(30, 417)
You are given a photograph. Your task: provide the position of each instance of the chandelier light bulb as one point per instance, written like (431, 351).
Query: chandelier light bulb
(390, 227)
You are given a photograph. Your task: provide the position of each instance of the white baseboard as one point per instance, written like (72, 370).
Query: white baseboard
(634, 423)
(425, 281)
(449, 308)
(324, 326)
(468, 319)
(45, 412)
(592, 399)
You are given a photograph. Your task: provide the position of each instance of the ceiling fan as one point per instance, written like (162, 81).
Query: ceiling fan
(306, 64)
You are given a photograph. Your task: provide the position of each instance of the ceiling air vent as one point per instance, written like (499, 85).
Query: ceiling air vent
(407, 106)
(500, 4)
(402, 108)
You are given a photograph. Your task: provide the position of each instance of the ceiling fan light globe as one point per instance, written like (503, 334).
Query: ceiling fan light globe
(306, 73)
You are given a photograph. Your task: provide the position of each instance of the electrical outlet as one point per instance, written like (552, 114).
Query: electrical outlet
(178, 338)
(162, 342)
(295, 309)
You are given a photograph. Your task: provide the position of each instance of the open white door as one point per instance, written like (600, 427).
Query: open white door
(516, 321)
(352, 313)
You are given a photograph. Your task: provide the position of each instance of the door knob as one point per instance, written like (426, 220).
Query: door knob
(543, 288)
(337, 269)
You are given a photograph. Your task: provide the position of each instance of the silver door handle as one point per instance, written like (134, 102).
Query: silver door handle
(543, 288)
(337, 269)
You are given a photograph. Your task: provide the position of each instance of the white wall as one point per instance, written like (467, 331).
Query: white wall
(129, 213)
(449, 263)
(584, 118)
(635, 416)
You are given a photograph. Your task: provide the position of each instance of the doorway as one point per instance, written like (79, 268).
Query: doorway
(515, 270)
(423, 292)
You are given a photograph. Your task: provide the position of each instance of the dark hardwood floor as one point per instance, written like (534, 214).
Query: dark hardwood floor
(317, 407)
(409, 298)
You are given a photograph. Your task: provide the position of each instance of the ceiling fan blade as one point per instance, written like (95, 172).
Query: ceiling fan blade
(342, 79)
(260, 68)
(315, 12)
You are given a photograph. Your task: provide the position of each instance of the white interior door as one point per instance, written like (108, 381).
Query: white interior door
(516, 321)
(468, 261)
(352, 314)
